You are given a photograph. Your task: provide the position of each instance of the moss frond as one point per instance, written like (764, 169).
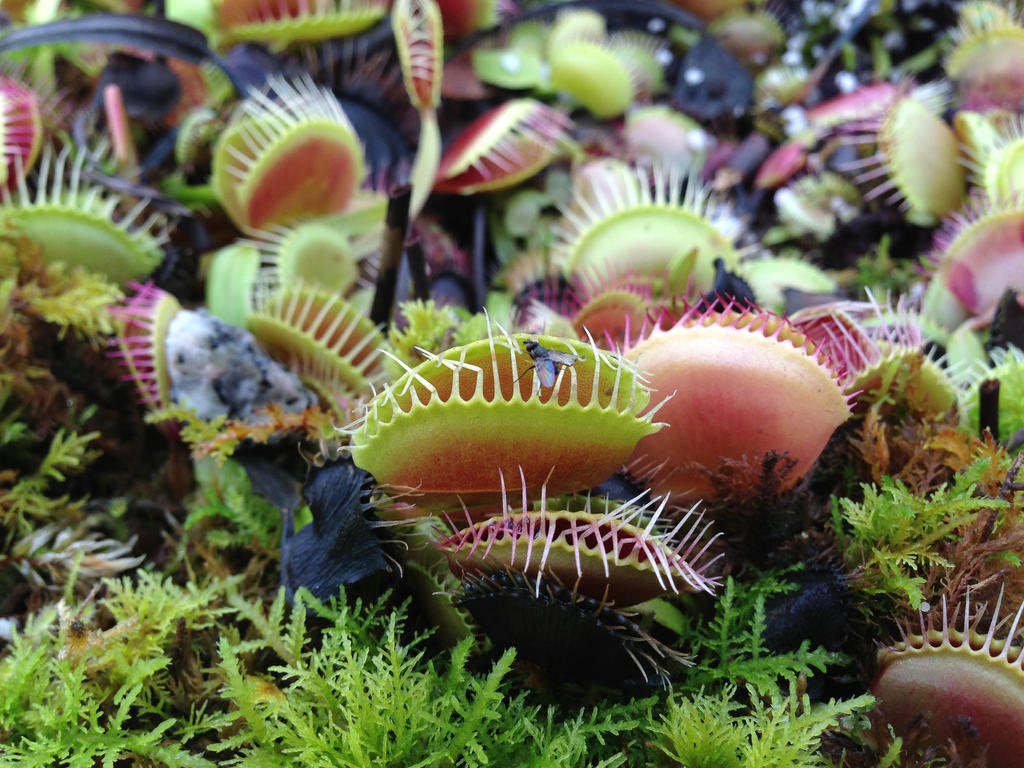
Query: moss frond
(324, 705)
(893, 537)
(71, 298)
(730, 645)
(99, 695)
(234, 515)
(427, 325)
(25, 497)
(708, 731)
(220, 437)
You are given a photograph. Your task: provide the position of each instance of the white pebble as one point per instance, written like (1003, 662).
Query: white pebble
(217, 369)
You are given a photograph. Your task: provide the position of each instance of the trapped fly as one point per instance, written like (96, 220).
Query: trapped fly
(547, 361)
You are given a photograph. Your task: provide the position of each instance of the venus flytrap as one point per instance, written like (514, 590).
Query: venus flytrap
(625, 554)
(288, 21)
(454, 425)
(503, 147)
(286, 156)
(880, 349)
(321, 337)
(753, 383)
(641, 222)
(987, 57)
(913, 672)
(321, 251)
(78, 222)
(976, 253)
(21, 128)
(925, 184)
(419, 40)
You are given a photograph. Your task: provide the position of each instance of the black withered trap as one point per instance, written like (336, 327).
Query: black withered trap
(339, 547)
(149, 88)
(619, 487)
(711, 83)
(728, 289)
(572, 637)
(817, 610)
(1007, 329)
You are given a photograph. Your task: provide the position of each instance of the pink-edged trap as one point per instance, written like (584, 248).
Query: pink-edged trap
(623, 554)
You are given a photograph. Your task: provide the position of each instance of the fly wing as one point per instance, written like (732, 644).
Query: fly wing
(547, 372)
(563, 358)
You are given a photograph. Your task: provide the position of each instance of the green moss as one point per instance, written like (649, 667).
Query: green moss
(161, 674)
(729, 646)
(713, 731)
(893, 537)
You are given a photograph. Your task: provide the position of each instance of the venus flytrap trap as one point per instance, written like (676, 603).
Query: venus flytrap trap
(655, 215)
(585, 567)
(583, 64)
(658, 134)
(611, 308)
(325, 340)
(231, 276)
(750, 35)
(626, 555)
(21, 128)
(976, 254)
(986, 60)
(141, 342)
(753, 383)
(814, 206)
(282, 22)
(866, 102)
(503, 147)
(913, 673)
(926, 185)
(451, 427)
(286, 156)
(640, 52)
(880, 351)
(569, 635)
(993, 148)
(322, 251)
(53, 553)
(419, 40)
(78, 222)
